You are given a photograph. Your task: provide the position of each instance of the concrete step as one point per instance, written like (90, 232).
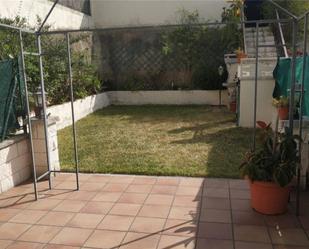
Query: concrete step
(252, 44)
(253, 29)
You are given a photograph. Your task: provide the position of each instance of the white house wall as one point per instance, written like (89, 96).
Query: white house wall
(61, 18)
(113, 13)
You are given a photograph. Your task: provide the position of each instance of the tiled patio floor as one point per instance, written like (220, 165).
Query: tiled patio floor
(135, 212)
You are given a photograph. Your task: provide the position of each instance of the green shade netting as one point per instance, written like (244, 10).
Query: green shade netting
(282, 75)
(12, 95)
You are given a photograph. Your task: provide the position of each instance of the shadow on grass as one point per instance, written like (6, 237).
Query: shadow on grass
(227, 148)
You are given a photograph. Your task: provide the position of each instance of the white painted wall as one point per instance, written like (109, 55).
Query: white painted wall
(61, 18)
(82, 107)
(15, 162)
(265, 110)
(113, 13)
(195, 97)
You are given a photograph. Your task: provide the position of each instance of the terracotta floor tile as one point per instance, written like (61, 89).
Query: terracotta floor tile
(85, 220)
(144, 180)
(115, 187)
(125, 209)
(183, 213)
(174, 181)
(5, 243)
(216, 203)
(58, 194)
(71, 236)
(40, 234)
(44, 204)
(107, 196)
(99, 178)
(81, 195)
(28, 216)
(95, 186)
(214, 244)
(289, 236)
(239, 184)
(116, 222)
(195, 191)
(138, 188)
(155, 211)
(164, 190)
(20, 202)
(134, 198)
(121, 179)
(147, 225)
(7, 213)
(289, 247)
(140, 240)
(216, 183)
(70, 206)
(96, 207)
(51, 246)
(248, 218)
(154, 199)
(187, 201)
(251, 245)
(11, 231)
(56, 218)
(176, 242)
(240, 194)
(105, 239)
(69, 185)
(283, 221)
(214, 215)
(192, 182)
(241, 205)
(25, 245)
(251, 233)
(186, 228)
(215, 230)
(216, 192)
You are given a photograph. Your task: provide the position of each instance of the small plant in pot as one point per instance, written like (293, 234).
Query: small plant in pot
(270, 170)
(282, 104)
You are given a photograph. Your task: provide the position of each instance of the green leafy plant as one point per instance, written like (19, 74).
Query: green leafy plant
(199, 49)
(86, 80)
(276, 160)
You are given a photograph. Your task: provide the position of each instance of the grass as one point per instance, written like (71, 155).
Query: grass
(157, 140)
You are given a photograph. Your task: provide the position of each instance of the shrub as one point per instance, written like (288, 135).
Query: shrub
(85, 77)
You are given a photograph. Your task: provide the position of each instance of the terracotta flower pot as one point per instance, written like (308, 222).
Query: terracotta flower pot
(283, 112)
(269, 198)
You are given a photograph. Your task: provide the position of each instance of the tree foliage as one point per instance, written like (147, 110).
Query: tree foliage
(85, 76)
(200, 48)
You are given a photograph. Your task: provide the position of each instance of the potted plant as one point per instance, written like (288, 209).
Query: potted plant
(282, 104)
(270, 171)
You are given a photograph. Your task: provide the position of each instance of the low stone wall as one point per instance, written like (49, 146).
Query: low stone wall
(15, 162)
(82, 108)
(194, 97)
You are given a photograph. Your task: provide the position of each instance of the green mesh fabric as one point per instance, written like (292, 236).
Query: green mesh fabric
(282, 75)
(12, 95)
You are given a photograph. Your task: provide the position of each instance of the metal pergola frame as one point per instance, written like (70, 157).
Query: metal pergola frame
(292, 19)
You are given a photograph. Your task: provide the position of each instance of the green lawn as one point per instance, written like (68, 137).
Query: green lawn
(157, 140)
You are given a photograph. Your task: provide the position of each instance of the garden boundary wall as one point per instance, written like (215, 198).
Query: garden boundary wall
(82, 108)
(90, 104)
(15, 162)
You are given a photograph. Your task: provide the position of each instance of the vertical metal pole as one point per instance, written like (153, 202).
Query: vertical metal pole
(28, 114)
(293, 78)
(255, 83)
(44, 106)
(301, 112)
(72, 109)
